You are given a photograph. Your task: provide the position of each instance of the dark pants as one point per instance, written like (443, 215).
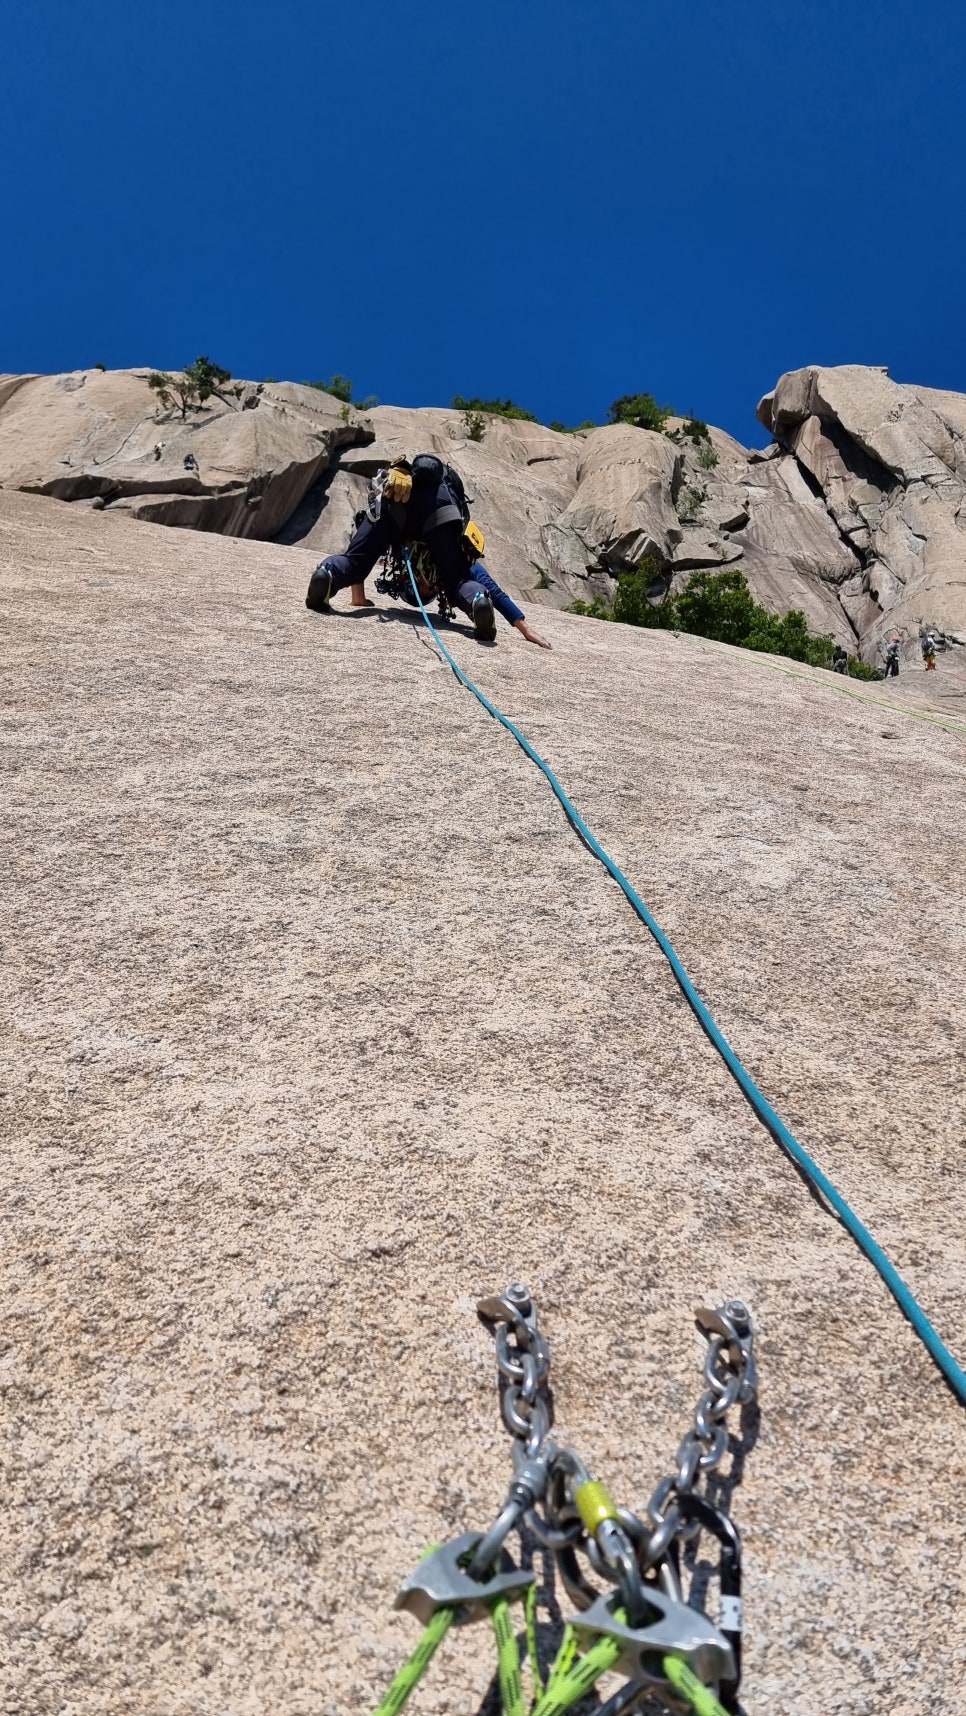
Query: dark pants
(395, 526)
(892, 667)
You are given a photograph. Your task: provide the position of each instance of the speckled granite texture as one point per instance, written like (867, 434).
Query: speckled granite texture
(319, 1021)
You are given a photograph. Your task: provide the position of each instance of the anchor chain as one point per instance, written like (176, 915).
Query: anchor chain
(732, 1379)
(573, 1515)
(638, 1623)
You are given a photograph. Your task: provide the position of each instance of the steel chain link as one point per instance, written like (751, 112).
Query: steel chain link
(731, 1376)
(568, 1511)
(524, 1366)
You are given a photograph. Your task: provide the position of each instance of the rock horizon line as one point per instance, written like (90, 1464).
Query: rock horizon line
(853, 512)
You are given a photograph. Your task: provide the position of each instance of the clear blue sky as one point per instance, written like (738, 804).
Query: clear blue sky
(561, 202)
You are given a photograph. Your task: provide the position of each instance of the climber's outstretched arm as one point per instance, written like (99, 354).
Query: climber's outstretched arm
(506, 606)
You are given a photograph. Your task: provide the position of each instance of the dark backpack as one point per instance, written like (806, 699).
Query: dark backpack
(428, 469)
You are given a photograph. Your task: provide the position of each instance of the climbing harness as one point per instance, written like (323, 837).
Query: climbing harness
(906, 1300)
(395, 579)
(638, 1624)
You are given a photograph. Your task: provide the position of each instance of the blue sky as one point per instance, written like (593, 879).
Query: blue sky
(560, 202)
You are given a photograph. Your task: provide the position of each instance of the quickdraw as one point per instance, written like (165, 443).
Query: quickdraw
(639, 1624)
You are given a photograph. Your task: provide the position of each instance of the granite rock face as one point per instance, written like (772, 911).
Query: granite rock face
(101, 436)
(320, 1021)
(852, 514)
(888, 462)
(623, 509)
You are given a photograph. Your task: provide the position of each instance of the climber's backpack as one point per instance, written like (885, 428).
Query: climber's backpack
(428, 470)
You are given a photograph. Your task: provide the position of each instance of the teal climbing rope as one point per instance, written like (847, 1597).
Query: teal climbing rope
(904, 1297)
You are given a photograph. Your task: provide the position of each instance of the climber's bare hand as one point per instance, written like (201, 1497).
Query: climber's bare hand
(531, 635)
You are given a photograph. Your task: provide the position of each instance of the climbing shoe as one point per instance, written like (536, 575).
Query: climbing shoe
(320, 589)
(484, 619)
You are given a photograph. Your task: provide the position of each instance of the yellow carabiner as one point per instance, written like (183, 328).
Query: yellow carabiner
(594, 1503)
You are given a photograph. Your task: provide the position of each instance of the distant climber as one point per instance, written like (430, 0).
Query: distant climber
(191, 464)
(158, 449)
(840, 660)
(421, 501)
(929, 652)
(892, 658)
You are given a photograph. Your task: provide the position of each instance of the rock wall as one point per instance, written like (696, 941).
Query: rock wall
(888, 463)
(852, 513)
(100, 437)
(320, 1021)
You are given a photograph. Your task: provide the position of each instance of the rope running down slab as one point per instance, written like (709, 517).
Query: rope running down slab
(906, 1300)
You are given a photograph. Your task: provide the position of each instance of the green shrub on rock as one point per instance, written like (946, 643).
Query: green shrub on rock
(696, 430)
(862, 670)
(641, 410)
(688, 504)
(340, 387)
(632, 600)
(717, 605)
(595, 610)
(493, 408)
(192, 388)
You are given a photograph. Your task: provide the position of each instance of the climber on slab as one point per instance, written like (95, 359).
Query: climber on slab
(422, 502)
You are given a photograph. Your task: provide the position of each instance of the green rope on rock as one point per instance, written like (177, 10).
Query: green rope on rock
(701, 1699)
(530, 1603)
(508, 1659)
(580, 1677)
(571, 1678)
(566, 1655)
(412, 1671)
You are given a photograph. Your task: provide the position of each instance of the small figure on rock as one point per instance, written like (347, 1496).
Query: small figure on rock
(191, 464)
(892, 658)
(929, 652)
(158, 449)
(422, 502)
(840, 660)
